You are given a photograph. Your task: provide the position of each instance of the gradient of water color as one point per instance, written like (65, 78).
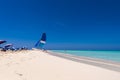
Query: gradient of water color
(106, 55)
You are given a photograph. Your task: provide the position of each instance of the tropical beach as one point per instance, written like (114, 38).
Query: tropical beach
(39, 65)
(59, 40)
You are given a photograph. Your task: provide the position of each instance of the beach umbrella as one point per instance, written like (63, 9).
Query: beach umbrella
(2, 41)
(42, 41)
(8, 45)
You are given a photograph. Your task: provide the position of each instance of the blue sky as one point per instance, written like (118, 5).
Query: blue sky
(69, 24)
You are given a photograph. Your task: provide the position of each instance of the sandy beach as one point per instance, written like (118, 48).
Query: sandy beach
(38, 65)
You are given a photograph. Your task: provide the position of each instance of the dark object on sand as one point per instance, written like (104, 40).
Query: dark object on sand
(7, 47)
(24, 48)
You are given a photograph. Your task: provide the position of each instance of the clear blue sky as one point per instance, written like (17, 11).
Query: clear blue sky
(69, 24)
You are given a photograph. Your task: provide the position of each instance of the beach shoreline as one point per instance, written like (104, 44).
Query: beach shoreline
(39, 65)
(107, 64)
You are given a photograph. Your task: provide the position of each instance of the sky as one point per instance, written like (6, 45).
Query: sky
(69, 24)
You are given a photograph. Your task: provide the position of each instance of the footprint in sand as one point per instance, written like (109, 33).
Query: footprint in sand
(21, 75)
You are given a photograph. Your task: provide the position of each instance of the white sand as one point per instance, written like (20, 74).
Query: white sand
(38, 65)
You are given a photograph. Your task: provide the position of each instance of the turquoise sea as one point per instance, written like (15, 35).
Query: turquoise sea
(107, 55)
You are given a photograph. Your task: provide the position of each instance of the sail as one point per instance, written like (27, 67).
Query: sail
(43, 38)
(41, 42)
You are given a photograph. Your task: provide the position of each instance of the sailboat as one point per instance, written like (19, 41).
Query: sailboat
(40, 44)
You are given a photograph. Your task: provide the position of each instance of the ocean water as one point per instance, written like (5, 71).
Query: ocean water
(106, 55)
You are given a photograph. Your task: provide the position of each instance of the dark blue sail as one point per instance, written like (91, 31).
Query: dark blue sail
(41, 42)
(43, 38)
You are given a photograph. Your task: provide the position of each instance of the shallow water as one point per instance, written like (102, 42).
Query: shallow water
(107, 55)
